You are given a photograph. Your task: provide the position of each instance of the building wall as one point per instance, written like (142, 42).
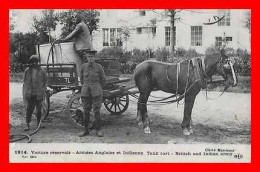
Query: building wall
(131, 19)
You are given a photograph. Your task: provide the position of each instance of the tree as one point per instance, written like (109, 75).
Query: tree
(173, 14)
(248, 20)
(22, 46)
(70, 18)
(11, 22)
(45, 25)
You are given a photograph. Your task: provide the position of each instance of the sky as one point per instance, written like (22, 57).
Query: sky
(23, 21)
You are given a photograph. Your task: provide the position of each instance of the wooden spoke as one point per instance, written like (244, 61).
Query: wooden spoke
(117, 105)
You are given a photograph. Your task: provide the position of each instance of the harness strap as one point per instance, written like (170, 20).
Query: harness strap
(177, 86)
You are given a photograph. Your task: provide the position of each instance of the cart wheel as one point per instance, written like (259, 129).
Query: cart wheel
(117, 105)
(46, 105)
(73, 105)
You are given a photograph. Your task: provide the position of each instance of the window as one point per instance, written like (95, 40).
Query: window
(218, 41)
(112, 37)
(119, 37)
(139, 30)
(196, 35)
(142, 13)
(146, 30)
(228, 39)
(226, 20)
(105, 37)
(154, 30)
(168, 36)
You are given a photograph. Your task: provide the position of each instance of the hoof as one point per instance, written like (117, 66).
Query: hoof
(186, 132)
(191, 130)
(147, 130)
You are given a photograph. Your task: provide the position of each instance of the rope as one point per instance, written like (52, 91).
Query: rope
(207, 98)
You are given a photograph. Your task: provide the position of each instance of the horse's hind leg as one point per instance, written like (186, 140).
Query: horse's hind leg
(145, 118)
(142, 116)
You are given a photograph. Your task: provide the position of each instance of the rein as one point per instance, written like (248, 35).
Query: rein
(226, 87)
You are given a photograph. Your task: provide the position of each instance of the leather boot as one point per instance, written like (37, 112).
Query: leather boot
(84, 133)
(27, 127)
(86, 130)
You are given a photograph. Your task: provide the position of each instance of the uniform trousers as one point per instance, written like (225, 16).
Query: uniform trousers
(87, 103)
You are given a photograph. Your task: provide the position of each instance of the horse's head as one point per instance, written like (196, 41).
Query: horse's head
(221, 64)
(225, 68)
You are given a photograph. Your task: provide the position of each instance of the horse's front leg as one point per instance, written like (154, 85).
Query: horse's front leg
(186, 123)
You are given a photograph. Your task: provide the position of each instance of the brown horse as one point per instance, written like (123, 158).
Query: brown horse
(184, 80)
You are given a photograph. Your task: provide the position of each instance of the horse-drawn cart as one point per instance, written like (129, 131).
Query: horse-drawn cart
(62, 65)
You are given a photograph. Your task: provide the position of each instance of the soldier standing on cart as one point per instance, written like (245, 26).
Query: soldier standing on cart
(82, 38)
(92, 77)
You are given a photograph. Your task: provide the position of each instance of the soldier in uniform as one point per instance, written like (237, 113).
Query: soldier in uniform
(92, 78)
(34, 87)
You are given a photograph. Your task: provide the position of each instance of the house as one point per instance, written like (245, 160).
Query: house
(150, 29)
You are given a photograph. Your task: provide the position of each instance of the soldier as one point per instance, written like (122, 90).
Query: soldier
(34, 87)
(92, 78)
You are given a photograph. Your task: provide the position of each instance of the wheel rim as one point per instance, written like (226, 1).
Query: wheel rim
(117, 105)
(75, 114)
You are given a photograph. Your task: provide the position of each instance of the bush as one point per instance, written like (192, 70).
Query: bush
(111, 52)
(180, 52)
(191, 53)
(212, 50)
(162, 54)
(139, 56)
(243, 62)
(230, 52)
(241, 57)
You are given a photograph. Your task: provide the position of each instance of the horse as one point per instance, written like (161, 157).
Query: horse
(183, 80)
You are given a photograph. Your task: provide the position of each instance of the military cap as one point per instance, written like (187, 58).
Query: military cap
(34, 58)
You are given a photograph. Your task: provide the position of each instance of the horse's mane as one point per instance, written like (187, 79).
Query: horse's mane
(208, 56)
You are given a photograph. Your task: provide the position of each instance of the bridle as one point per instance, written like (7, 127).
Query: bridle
(220, 64)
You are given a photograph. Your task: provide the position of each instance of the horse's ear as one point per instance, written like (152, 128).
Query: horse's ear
(223, 53)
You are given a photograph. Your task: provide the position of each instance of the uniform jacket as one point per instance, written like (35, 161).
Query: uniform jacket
(34, 82)
(92, 79)
(82, 37)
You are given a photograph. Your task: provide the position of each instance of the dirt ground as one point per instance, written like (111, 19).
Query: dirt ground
(226, 120)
